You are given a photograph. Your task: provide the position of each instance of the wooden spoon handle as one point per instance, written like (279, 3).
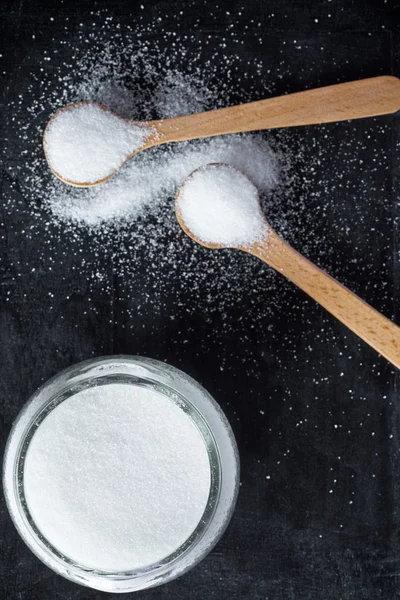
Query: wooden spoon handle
(353, 100)
(357, 315)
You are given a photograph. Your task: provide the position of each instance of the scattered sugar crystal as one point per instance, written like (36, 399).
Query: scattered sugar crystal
(130, 237)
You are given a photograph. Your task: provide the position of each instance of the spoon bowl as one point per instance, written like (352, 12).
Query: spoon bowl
(370, 325)
(76, 105)
(353, 100)
(191, 234)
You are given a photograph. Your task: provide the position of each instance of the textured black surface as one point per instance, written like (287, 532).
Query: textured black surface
(318, 512)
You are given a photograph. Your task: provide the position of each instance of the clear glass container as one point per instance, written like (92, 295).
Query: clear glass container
(198, 405)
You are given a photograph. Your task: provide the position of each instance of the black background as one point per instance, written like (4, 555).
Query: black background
(318, 511)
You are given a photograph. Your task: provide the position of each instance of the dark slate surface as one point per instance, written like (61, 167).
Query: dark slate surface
(331, 407)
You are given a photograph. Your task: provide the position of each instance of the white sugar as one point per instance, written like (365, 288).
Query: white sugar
(220, 205)
(147, 178)
(117, 477)
(129, 223)
(85, 143)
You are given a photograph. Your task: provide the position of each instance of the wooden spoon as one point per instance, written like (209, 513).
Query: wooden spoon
(353, 100)
(357, 315)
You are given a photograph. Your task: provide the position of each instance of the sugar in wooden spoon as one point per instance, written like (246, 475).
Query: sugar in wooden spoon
(218, 207)
(85, 144)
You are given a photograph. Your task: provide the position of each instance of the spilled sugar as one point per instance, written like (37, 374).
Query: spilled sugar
(126, 229)
(85, 143)
(220, 205)
(144, 182)
(125, 251)
(117, 477)
(126, 70)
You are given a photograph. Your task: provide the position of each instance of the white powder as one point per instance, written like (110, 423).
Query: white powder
(117, 477)
(128, 224)
(220, 205)
(85, 143)
(148, 177)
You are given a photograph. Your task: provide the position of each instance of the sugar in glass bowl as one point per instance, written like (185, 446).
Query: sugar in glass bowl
(121, 473)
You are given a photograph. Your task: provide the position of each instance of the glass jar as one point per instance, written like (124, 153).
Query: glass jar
(197, 404)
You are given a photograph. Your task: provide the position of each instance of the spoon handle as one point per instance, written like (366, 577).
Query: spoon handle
(357, 315)
(353, 100)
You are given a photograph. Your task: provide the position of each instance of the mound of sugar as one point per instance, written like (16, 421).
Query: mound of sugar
(220, 205)
(85, 143)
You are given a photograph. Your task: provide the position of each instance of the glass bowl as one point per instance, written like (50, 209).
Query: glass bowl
(198, 405)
